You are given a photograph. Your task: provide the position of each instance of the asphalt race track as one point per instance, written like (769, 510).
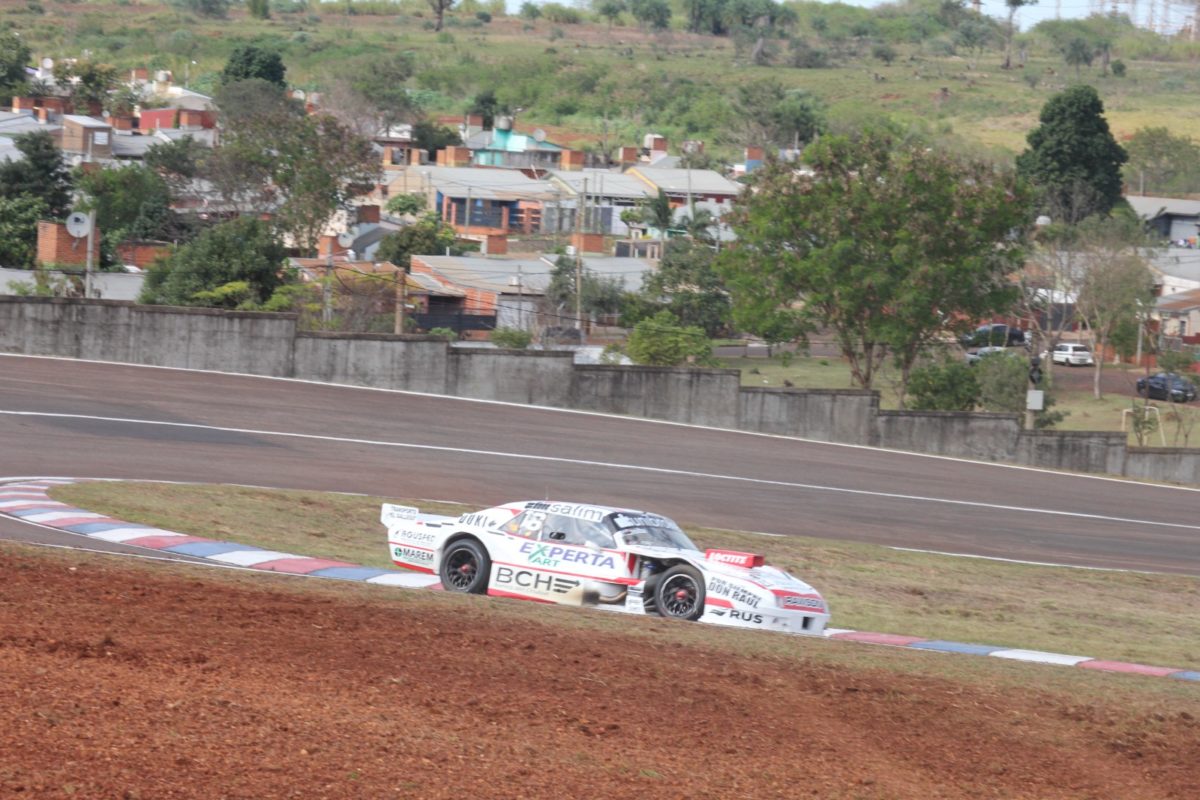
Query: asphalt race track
(78, 419)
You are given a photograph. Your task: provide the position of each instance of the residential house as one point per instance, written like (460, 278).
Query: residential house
(512, 289)
(684, 186)
(1180, 315)
(1174, 220)
(478, 201)
(503, 146)
(604, 194)
(361, 292)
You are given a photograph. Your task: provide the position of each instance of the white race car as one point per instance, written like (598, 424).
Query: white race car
(580, 554)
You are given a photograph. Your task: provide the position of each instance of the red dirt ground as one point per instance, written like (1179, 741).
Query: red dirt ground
(139, 682)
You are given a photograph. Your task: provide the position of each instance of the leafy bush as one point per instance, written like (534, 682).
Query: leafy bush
(449, 333)
(511, 338)
(1118, 68)
(1178, 361)
(662, 342)
(561, 15)
(483, 16)
(949, 385)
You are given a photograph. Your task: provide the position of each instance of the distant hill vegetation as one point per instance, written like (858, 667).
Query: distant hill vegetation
(730, 73)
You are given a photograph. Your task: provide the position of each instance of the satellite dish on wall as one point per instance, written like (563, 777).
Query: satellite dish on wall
(47, 63)
(539, 135)
(79, 224)
(346, 238)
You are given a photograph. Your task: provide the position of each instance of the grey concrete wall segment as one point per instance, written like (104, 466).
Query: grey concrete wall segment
(696, 396)
(414, 363)
(533, 377)
(269, 344)
(825, 415)
(986, 437)
(1174, 465)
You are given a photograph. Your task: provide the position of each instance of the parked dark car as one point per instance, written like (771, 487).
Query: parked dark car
(994, 335)
(1156, 387)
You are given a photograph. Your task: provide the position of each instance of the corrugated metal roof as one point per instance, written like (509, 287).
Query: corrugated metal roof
(603, 183)
(1150, 207)
(484, 183)
(87, 122)
(680, 181)
(1179, 302)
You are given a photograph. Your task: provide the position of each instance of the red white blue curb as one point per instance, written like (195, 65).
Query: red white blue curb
(27, 501)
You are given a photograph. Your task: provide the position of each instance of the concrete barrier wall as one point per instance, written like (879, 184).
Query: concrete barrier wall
(1177, 465)
(415, 363)
(269, 344)
(986, 437)
(696, 396)
(1080, 451)
(514, 376)
(827, 415)
(112, 330)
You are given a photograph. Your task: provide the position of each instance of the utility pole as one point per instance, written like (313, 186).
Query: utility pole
(520, 301)
(401, 300)
(579, 264)
(88, 265)
(327, 291)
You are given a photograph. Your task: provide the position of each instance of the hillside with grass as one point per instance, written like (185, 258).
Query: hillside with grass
(601, 78)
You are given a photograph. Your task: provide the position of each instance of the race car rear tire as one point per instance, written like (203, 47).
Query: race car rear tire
(679, 593)
(465, 567)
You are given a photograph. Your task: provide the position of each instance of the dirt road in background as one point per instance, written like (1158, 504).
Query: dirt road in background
(145, 682)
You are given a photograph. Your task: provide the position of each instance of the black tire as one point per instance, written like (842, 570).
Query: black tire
(679, 593)
(465, 567)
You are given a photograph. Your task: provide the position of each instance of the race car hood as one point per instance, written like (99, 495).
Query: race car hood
(765, 576)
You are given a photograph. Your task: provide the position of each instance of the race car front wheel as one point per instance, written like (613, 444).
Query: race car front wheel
(679, 593)
(465, 567)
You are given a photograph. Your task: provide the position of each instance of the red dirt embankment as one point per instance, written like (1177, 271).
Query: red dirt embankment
(121, 681)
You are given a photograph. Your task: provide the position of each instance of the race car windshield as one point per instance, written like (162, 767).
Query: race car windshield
(652, 530)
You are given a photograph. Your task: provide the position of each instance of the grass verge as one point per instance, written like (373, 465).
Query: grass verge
(1109, 615)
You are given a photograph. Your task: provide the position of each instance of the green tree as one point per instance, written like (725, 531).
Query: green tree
(688, 280)
(430, 136)
(1078, 53)
(883, 244)
(18, 230)
(241, 250)
(131, 202)
(259, 9)
(660, 341)
(945, 385)
(1117, 283)
(973, 36)
(40, 174)
(439, 8)
(217, 9)
(429, 236)
(406, 204)
(774, 116)
(251, 61)
(597, 295)
(610, 10)
(14, 56)
(1072, 158)
(486, 105)
(1162, 163)
(653, 14)
(530, 10)
(177, 162)
(86, 82)
(1010, 28)
(276, 159)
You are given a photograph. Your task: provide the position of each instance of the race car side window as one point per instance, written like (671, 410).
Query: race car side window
(544, 526)
(528, 524)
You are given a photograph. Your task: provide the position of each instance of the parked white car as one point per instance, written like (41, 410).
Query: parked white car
(1074, 355)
